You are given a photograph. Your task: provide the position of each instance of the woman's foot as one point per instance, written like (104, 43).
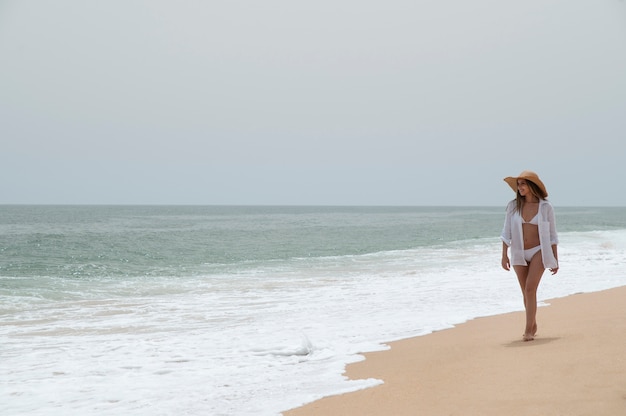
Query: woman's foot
(529, 336)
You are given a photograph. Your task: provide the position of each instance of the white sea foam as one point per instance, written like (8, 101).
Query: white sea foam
(263, 341)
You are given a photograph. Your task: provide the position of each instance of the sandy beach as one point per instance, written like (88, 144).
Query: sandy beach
(575, 366)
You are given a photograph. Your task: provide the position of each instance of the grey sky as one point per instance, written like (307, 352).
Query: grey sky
(319, 102)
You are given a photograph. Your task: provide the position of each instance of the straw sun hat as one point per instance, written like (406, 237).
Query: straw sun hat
(529, 176)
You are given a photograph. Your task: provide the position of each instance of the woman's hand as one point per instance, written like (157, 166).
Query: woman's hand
(506, 265)
(554, 270)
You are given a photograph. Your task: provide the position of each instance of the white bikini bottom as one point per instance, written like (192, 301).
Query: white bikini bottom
(528, 254)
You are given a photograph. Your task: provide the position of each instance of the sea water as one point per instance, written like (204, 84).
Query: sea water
(249, 310)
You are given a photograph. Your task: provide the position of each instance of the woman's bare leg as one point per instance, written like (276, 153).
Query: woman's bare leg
(529, 278)
(522, 277)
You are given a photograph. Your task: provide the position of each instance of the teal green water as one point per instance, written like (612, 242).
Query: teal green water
(118, 241)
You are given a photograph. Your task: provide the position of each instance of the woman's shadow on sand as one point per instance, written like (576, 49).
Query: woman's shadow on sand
(536, 341)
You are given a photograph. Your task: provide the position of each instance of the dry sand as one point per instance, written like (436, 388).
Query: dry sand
(576, 366)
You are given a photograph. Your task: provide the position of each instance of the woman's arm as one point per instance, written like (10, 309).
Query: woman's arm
(554, 270)
(506, 264)
(505, 236)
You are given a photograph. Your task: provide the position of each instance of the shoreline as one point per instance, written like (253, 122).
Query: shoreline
(575, 366)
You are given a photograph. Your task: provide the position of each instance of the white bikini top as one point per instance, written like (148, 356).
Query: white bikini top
(534, 220)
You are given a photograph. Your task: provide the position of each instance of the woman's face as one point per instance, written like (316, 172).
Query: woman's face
(522, 187)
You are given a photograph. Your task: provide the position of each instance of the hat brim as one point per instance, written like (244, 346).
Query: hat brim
(512, 182)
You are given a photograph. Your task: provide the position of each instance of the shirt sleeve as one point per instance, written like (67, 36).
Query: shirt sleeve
(506, 229)
(554, 238)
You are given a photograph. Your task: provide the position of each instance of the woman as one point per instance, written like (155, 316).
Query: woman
(530, 231)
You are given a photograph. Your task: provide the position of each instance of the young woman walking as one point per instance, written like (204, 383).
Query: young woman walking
(530, 233)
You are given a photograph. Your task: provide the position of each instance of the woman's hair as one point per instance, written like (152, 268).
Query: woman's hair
(535, 190)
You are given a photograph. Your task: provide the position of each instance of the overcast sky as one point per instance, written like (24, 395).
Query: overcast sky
(325, 102)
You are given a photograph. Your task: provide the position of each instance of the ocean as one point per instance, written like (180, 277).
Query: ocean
(244, 310)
